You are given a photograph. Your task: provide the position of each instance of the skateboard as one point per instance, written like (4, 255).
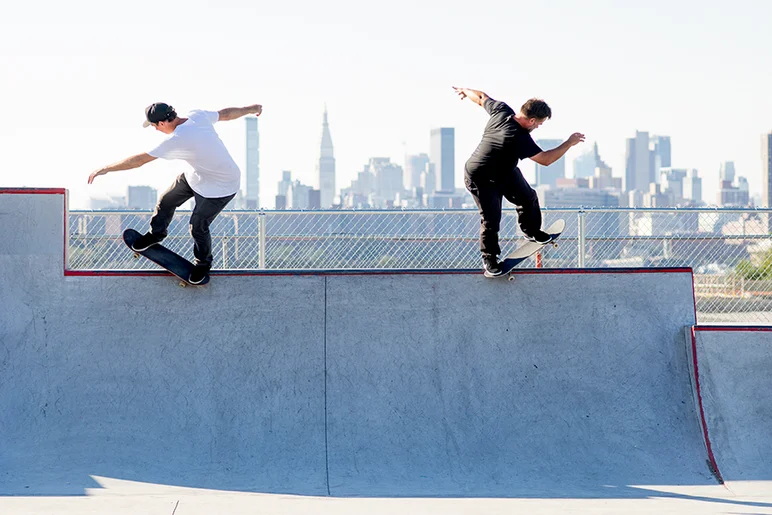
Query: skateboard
(165, 258)
(528, 249)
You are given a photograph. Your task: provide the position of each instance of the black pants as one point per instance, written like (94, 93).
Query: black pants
(204, 213)
(488, 194)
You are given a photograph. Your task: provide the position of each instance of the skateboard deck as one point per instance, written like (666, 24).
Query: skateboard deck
(527, 250)
(165, 258)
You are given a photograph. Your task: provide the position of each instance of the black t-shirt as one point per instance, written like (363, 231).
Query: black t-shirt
(503, 144)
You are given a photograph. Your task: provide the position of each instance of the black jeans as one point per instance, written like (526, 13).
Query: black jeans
(204, 213)
(488, 194)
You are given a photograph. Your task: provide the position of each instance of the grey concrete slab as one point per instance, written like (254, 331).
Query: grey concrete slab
(32, 224)
(550, 385)
(554, 386)
(735, 371)
(136, 378)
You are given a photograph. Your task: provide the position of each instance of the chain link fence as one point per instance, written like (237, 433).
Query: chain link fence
(730, 250)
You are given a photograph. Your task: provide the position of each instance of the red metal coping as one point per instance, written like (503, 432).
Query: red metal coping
(32, 191)
(733, 328)
(395, 271)
(703, 421)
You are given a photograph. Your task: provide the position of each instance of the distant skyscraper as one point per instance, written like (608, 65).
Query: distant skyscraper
(548, 175)
(282, 190)
(253, 163)
(388, 180)
(662, 149)
(585, 164)
(766, 172)
(734, 196)
(326, 166)
(729, 193)
(726, 172)
(672, 181)
(443, 156)
(415, 165)
(638, 167)
(142, 197)
(285, 183)
(429, 179)
(298, 196)
(693, 187)
(313, 199)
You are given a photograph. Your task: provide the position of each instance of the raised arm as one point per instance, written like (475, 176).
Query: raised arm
(548, 157)
(126, 164)
(231, 113)
(478, 97)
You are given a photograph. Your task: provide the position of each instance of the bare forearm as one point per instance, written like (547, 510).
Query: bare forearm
(128, 163)
(232, 113)
(550, 156)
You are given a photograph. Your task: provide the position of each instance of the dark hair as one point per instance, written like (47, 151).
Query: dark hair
(160, 112)
(536, 108)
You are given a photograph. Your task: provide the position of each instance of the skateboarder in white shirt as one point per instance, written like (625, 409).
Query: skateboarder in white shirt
(213, 180)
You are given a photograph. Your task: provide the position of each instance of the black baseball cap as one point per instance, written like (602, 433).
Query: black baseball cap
(158, 112)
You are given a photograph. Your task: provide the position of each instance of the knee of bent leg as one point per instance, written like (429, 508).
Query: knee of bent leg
(198, 226)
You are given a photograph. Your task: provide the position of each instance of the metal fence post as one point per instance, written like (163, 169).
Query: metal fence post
(261, 239)
(581, 238)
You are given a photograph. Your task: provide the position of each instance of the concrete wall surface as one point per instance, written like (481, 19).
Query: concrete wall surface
(559, 383)
(735, 377)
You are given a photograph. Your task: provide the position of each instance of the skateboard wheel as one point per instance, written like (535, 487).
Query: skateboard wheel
(182, 284)
(136, 256)
(511, 278)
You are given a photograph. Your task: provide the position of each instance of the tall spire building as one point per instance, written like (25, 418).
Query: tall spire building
(326, 166)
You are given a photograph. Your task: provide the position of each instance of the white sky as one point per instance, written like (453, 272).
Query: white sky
(77, 75)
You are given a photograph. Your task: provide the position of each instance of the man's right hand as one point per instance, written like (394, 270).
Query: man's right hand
(478, 97)
(95, 175)
(575, 138)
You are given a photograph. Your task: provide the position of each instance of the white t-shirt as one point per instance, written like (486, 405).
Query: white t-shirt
(214, 172)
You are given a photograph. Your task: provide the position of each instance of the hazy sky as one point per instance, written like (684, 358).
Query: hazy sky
(77, 75)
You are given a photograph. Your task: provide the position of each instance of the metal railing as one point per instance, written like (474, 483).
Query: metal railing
(729, 249)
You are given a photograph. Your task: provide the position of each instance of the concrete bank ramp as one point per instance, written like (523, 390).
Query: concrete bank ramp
(557, 384)
(735, 376)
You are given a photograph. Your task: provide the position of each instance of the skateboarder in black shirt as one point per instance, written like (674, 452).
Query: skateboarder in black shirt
(491, 173)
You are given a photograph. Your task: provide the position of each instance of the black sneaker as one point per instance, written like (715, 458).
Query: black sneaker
(539, 237)
(491, 266)
(145, 241)
(198, 274)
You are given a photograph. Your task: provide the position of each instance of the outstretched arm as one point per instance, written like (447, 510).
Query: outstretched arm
(231, 113)
(548, 157)
(126, 164)
(478, 97)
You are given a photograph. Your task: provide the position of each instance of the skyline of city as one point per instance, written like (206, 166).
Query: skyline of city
(530, 170)
(414, 182)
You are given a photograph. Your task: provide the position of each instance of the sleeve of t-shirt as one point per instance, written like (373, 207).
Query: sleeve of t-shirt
(167, 149)
(210, 116)
(529, 148)
(496, 106)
